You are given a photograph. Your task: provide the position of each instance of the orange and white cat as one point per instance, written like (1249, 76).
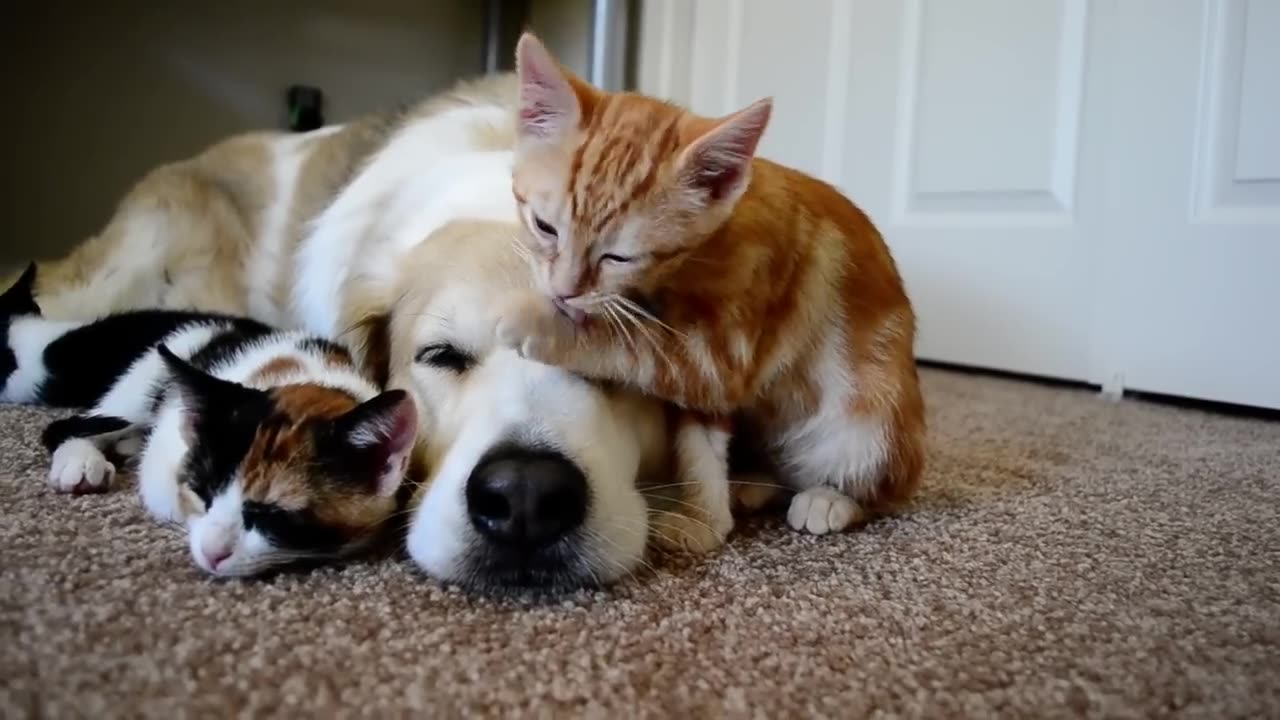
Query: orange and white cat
(671, 259)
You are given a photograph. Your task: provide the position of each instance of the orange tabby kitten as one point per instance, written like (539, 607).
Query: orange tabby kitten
(670, 259)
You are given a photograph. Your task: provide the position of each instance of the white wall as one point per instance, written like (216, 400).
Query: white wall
(97, 95)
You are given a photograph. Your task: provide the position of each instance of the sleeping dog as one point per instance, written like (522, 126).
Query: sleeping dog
(535, 476)
(403, 223)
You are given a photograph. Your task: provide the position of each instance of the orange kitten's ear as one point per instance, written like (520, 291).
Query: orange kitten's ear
(383, 430)
(719, 161)
(551, 99)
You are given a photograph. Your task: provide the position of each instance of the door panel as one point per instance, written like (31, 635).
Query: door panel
(982, 214)
(956, 126)
(1192, 292)
(1081, 189)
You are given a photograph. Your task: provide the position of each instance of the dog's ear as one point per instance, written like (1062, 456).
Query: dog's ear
(370, 340)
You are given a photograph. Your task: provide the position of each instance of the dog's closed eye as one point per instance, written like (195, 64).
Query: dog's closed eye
(445, 356)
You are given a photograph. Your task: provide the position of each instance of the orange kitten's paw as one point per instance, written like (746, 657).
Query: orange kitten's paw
(531, 327)
(80, 467)
(677, 532)
(754, 492)
(821, 510)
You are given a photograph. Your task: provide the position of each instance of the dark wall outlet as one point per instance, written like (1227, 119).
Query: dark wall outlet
(306, 107)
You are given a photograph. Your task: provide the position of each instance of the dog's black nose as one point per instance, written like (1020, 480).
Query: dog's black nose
(522, 496)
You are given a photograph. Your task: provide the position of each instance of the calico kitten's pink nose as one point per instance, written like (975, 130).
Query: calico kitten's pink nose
(215, 556)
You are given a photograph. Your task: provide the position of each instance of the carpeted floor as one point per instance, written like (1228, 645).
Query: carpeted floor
(1069, 557)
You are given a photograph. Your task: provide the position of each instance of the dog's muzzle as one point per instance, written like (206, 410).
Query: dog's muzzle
(521, 500)
(528, 506)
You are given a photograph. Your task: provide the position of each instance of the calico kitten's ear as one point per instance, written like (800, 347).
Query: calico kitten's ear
(203, 395)
(384, 428)
(552, 101)
(20, 298)
(719, 161)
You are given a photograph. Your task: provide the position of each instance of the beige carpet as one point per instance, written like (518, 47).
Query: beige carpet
(1069, 557)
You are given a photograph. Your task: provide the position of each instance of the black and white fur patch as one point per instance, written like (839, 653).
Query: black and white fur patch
(74, 363)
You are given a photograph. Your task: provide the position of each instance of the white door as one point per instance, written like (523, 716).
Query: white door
(956, 124)
(1191, 268)
(1031, 164)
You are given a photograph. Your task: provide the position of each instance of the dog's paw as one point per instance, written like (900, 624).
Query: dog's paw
(79, 467)
(677, 532)
(821, 510)
(530, 326)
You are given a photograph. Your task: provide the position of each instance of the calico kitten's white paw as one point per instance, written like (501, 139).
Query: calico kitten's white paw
(80, 467)
(821, 510)
(677, 532)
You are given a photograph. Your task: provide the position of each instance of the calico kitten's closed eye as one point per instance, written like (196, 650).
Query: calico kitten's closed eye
(294, 529)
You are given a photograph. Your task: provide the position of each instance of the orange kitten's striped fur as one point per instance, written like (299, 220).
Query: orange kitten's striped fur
(723, 283)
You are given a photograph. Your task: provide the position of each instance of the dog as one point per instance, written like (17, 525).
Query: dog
(362, 232)
(536, 476)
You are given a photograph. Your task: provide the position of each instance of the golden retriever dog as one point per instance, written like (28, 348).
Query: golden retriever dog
(393, 233)
(536, 477)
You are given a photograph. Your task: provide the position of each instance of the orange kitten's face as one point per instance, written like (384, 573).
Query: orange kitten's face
(600, 213)
(617, 190)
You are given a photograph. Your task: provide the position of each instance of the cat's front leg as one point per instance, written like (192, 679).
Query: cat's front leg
(530, 324)
(652, 358)
(78, 463)
(703, 515)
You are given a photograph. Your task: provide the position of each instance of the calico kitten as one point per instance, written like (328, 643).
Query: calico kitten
(671, 259)
(268, 446)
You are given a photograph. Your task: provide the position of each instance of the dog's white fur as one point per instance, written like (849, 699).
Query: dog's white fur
(428, 175)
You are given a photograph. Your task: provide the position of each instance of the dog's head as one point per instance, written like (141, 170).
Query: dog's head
(533, 471)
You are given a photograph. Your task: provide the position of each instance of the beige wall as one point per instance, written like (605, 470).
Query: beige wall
(97, 95)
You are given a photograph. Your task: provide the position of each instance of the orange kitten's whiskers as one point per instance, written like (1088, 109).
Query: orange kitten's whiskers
(625, 527)
(642, 312)
(523, 252)
(665, 486)
(628, 314)
(677, 501)
(616, 322)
